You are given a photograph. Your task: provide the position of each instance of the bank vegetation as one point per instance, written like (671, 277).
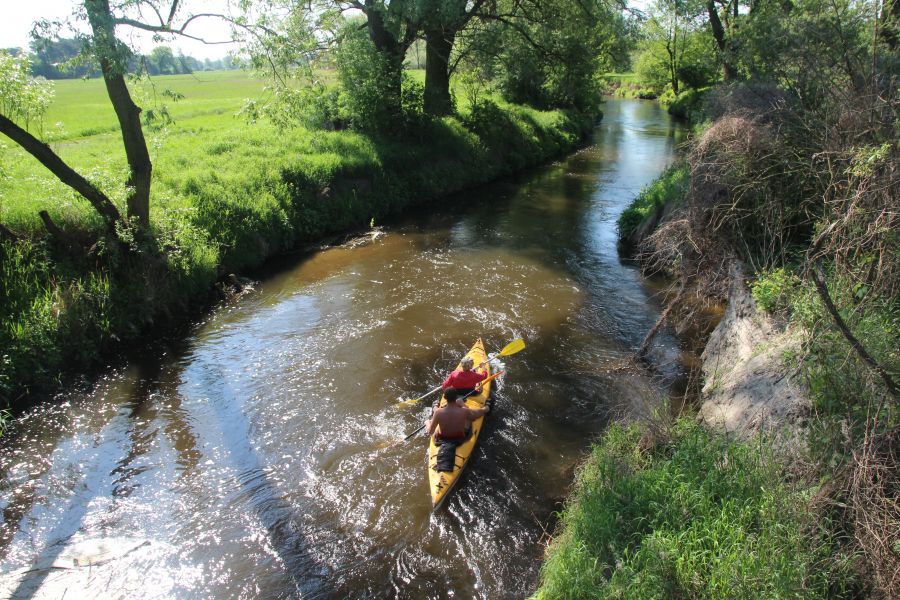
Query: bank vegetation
(99, 247)
(791, 181)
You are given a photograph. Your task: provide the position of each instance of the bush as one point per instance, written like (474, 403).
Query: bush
(667, 97)
(697, 75)
(689, 105)
(772, 290)
(371, 83)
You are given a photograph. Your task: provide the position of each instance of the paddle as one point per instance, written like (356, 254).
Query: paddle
(480, 384)
(511, 348)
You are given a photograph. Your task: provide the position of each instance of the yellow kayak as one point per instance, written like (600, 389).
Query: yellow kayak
(441, 482)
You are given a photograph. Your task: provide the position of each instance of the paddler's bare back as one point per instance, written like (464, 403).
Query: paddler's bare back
(453, 420)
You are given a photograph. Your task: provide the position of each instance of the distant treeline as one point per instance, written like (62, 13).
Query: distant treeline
(63, 59)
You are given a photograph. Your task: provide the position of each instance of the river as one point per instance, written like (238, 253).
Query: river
(262, 456)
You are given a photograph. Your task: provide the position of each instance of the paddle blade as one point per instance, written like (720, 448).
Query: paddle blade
(412, 401)
(514, 346)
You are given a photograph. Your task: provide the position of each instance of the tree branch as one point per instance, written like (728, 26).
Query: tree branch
(645, 345)
(64, 172)
(173, 9)
(818, 277)
(8, 234)
(57, 232)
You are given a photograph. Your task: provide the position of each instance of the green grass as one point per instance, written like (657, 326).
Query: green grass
(669, 187)
(226, 195)
(622, 77)
(81, 127)
(695, 516)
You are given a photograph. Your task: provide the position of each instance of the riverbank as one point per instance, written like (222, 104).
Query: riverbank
(680, 511)
(798, 378)
(224, 207)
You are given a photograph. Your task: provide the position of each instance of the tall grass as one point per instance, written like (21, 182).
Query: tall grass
(696, 516)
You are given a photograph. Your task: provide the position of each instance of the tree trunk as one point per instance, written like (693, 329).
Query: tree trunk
(59, 234)
(728, 70)
(672, 50)
(394, 51)
(63, 172)
(438, 45)
(890, 21)
(112, 63)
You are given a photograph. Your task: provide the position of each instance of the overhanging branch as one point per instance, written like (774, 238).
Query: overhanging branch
(45, 155)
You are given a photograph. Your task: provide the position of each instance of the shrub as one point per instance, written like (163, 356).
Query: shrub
(371, 83)
(689, 105)
(772, 290)
(697, 75)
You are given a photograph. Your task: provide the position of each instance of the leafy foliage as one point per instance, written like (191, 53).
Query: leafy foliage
(368, 82)
(675, 48)
(551, 54)
(22, 98)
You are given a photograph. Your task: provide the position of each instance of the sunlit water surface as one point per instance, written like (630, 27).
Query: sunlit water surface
(261, 456)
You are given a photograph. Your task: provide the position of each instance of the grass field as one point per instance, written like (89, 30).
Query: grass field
(226, 194)
(207, 131)
(81, 127)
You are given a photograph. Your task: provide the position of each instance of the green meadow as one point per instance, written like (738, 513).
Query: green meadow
(81, 127)
(227, 193)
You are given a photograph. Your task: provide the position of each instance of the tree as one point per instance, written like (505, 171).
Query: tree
(723, 32)
(60, 59)
(112, 55)
(162, 61)
(441, 22)
(673, 50)
(391, 31)
(287, 37)
(550, 53)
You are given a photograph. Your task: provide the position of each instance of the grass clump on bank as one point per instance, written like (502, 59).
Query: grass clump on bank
(646, 209)
(697, 515)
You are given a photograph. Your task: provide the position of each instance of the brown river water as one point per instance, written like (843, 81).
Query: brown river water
(261, 456)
